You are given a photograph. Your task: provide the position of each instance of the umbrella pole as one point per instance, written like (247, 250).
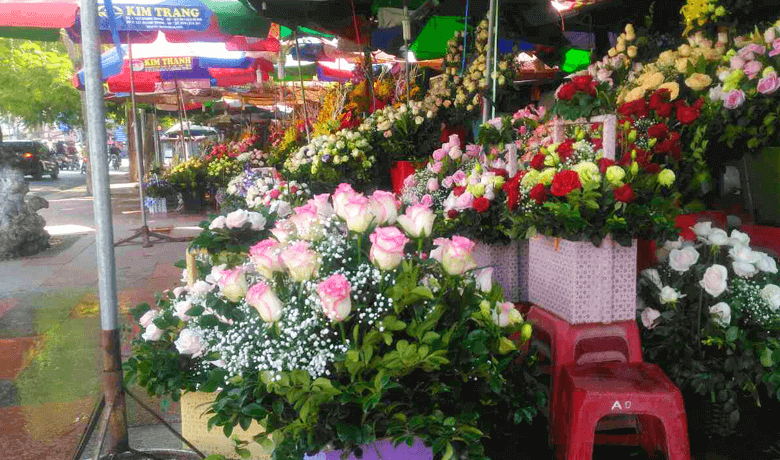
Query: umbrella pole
(113, 390)
(186, 120)
(407, 36)
(303, 92)
(180, 106)
(489, 56)
(495, 58)
(142, 232)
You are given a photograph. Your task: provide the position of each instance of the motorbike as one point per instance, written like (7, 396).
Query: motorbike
(115, 161)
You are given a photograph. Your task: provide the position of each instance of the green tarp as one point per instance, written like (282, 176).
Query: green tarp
(432, 41)
(575, 60)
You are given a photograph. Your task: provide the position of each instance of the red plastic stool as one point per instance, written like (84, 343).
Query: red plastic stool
(564, 344)
(591, 392)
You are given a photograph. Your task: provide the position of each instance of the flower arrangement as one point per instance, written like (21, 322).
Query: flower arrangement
(571, 191)
(711, 317)
(346, 326)
(328, 159)
(159, 188)
(226, 239)
(698, 13)
(258, 189)
(221, 168)
(189, 177)
(404, 132)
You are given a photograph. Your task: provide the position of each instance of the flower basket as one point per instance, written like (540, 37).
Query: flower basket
(583, 283)
(510, 266)
(381, 450)
(194, 427)
(400, 171)
(156, 205)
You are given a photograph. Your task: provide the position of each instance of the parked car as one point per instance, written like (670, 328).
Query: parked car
(35, 159)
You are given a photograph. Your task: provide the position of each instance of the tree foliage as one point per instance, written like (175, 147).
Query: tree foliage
(35, 83)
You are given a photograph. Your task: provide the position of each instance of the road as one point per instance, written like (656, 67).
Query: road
(68, 182)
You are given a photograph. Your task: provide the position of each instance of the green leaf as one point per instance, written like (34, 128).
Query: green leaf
(732, 333)
(448, 452)
(423, 291)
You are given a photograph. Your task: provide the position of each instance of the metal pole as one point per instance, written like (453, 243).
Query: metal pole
(96, 127)
(407, 29)
(139, 150)
(186, 120)
(180, 105)
(300, 76)
(488, 57)
(157, 153)
(495, 58)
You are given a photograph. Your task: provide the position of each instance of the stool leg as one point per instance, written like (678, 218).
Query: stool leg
(580, 436)
(651, 435)
(675, 427)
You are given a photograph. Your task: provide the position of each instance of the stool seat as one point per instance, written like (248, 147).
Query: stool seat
(591, 392)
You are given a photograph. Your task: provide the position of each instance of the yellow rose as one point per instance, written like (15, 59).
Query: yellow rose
(634, 94)
(698, 81)
(476, 189)
(667, 58)
(630, 37)
(674, 89)
(620, 47)
(588, 172)
(546, 176)
(630, 29)
(632, 51)
(684, 50)
(681, 64)
(615, 175)
(652, 81)
(612, 52)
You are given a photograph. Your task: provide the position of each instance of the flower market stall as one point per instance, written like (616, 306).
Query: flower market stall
(394, 274)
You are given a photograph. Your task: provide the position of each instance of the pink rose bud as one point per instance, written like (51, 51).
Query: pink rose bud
(357, 213)
(275, 194)
(265, 256)
(189, 343)
(454, 254)
(237, 219)
(427, 200)
(324, 208)
(387, 250)
(334, 294)
(507, 315)
(433, 184)
(262, 298)
(417, 221)
(384, 207)
(232, 284)
(148, 318)
(301, 261)
(650, 317)
(340, 197)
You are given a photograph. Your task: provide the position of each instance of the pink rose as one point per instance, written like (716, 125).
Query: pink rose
(237, 219)
(387, 250)
(752, 69)
(752, 48)
(178, 291)
(458, 177)
(433, 184)
(473, 150)
(189, 343)
(464, 201)
(775, 48)
(334, 294)
(439, 154)
(322, 203)
(454, 254)
(152, 333)
(427, 200)
(770, 35)
(736, 62)
(768, 84)
(734, 99)
(148, 318)
(455, 153)
(384, 207)
(283, 230)
(307, 222)
(681, 260)
(181, 309)
(340, 197)
(232, 284)
(715, 280)
(507, 315)
(301, 261)
(650, 317)
(485, 280)
(410, 181)
(262, 298)
(417, 221)
(265, 257)
(436, 167)
(454, 139)
(447, 182)
(201, 287)
(256, 220)
(357, 213)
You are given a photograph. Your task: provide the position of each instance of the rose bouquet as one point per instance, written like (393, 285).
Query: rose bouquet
(571, 191)
(711, 316)
(404, 133)
(262, 188)
(346, 326)
(331, 158)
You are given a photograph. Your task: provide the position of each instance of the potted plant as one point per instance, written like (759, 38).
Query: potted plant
(711, 317)
(349, 326)
(189, 179)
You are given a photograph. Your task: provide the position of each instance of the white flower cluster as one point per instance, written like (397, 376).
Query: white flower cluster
(344, 147)
(265, 188)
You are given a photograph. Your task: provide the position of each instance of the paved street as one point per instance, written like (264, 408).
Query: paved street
(50, 360)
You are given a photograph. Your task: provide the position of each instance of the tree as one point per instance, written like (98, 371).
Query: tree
(35, 83)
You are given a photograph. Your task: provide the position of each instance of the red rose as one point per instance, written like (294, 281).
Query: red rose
(582, 82)
(512, 189)
(665, 110)
(605, 163)
(625, 160)
(658, 131)
(637, 107)
(564, 182)
(565, 150)
(684, 222)
(538, 193)
(566, 92)
(597, 143)
(458, 191)
(688, 114)
(537, 162)
(624, 194)
(500, 172)
(452, 213)
(659, 98)
(652, 168)
(481, 204)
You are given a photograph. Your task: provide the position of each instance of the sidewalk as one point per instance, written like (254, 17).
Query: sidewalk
(51, 361)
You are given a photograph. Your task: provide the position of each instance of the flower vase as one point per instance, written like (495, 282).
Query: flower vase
(510, 266)
(381, 450)
(582, 283)
(400, 171)
(156, 205)
(460, 130)
(194, 427)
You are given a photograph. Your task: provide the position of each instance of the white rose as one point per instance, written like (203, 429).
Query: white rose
(721, 313)
(178, 291)
(744, 269)
(718, 237)
(766, 263)
(188, 343)
(738, 237)
(219, 222)
(148, 318)
(152, 333)
(237, 219)
(181, 309)
(653, 275)
(650, 317)
(702, 229)
(682, 259)
(201, 287)
(714, 281)
(257, 220)
(742, 253)
(669, 295)
(771, 294)
(485, 279)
